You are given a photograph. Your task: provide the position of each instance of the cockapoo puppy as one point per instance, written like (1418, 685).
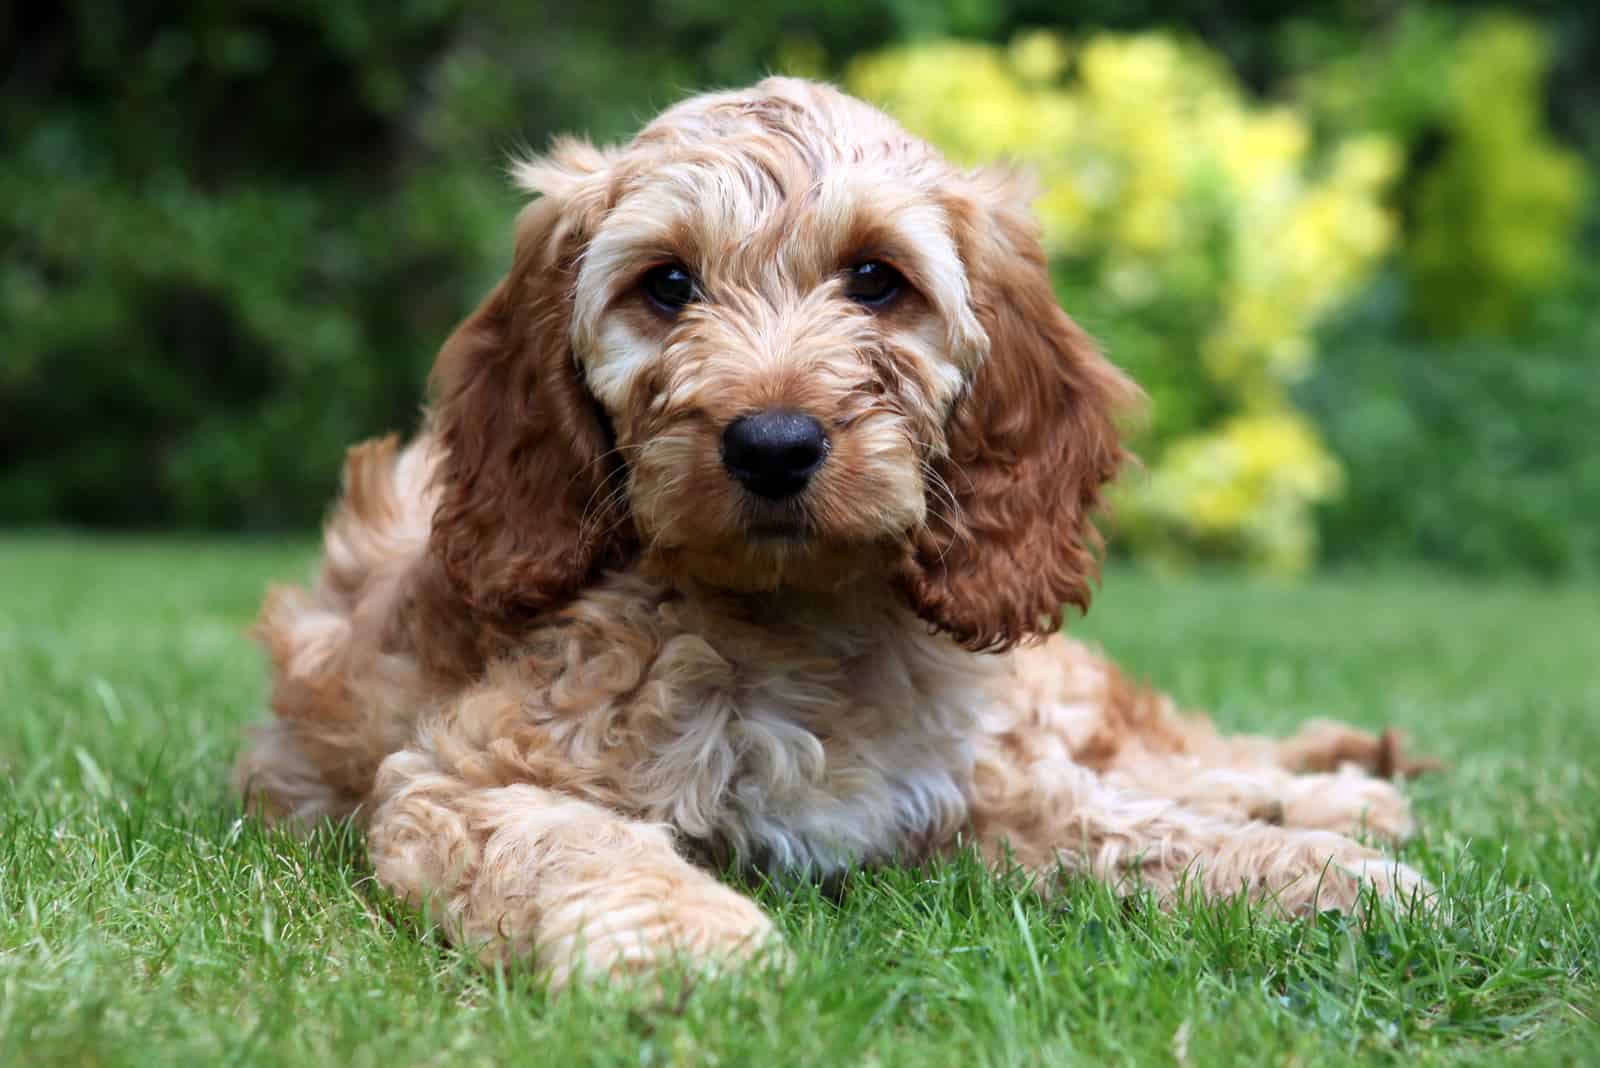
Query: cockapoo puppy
(741, 531)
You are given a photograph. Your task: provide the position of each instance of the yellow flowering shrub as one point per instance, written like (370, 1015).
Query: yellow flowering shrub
(1199, 235)
(1239, 488)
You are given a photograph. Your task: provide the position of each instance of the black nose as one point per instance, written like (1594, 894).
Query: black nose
(774, 453)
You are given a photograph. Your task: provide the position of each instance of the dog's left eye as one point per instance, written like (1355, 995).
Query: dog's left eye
(873, 283)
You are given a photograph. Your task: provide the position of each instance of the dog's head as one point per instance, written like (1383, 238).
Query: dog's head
(777, 342)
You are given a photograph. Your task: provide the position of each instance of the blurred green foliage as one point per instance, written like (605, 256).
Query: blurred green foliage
(1462, 391)
(1478, 455)
(1495, 215)
(235, 233)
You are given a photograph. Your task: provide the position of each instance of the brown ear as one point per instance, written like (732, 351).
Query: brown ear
(526, 513)
(1029, 447)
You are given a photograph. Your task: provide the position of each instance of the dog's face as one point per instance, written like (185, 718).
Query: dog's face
(776, 342)
(774, 314)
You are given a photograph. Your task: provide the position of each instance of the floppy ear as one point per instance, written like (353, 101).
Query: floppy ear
(523, 520)
(1028, 447)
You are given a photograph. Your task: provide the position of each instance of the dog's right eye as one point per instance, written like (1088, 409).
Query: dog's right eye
(669, 287)
(874, 283)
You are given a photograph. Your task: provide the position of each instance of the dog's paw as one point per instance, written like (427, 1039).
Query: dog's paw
(1348, 803)
(706, 928)
(1395, 883)
(1341, 884)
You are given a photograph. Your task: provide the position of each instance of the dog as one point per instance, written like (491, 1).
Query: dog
(741, 530)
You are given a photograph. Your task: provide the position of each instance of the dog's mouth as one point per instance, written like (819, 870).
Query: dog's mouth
(776, 523)
(771, 548)
(786, 531)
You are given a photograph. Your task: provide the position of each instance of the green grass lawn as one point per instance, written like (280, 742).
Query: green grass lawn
(143, 922)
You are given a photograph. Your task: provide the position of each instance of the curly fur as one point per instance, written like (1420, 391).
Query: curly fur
(558, 668)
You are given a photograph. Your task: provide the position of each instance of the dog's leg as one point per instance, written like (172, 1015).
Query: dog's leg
(1325, 777)
(1034, 803)
(1348, 801)
(519, 873)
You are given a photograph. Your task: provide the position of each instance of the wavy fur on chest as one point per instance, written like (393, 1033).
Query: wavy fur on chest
(779, 731)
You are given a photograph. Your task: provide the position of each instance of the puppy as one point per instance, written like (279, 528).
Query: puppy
(741, 530)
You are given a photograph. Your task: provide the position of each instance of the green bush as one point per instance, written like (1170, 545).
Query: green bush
(1497, 219)
(1459, 392)
(1493, 204)
(233, 239)
(1480, 456)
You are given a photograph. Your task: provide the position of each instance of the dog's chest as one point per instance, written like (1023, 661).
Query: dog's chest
(812, 743)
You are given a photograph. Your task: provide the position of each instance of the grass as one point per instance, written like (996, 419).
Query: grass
(143, 922)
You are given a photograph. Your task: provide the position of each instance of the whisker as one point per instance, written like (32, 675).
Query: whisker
(593, 523)
(606, 495)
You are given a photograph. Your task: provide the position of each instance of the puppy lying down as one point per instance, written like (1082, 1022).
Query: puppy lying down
(741, 530)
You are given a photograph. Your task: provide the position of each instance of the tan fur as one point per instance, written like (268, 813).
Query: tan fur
(557, 670)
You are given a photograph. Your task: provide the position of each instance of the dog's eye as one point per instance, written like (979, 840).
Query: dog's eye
(873, 283)
(669, 287)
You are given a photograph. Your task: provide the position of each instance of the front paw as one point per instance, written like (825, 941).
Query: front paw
(627, 932)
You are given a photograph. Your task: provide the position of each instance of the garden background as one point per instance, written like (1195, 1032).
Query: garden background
(1348, 246)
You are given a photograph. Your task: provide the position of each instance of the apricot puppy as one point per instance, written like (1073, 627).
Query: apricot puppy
(742, 528)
